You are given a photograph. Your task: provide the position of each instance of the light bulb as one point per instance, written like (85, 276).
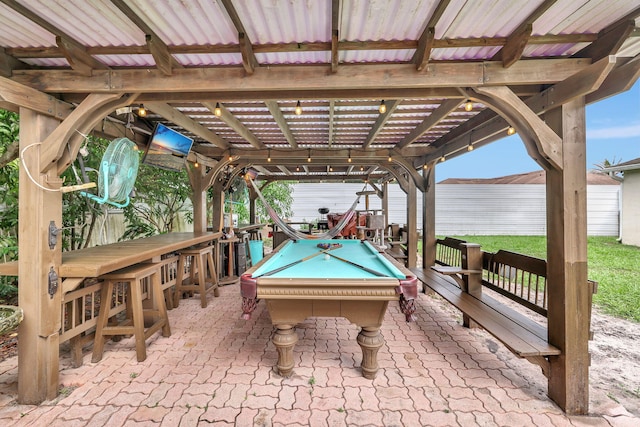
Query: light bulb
(382, 108)
(298, 109)
(470, 147)
(142, 112)
(468, 106)
(443, 158)
(217, 111)
(511, 130)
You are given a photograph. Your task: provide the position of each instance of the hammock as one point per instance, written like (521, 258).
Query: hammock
(298, 235)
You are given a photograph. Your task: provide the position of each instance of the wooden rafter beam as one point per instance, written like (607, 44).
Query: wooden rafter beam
(284, 170)
(335, 34)
(77, 56)
(487, 126)
(519, 38)
(436, 116)
(427, 38)
(381, 121)
(249, 61)
(55, 52)
(328, 94)
(9, 63)
(619, 80)
(276, 112)
(24, 96)
(69, 47)
(235, 124)
(158, 49)
(180, 119)
(312, 77)
(609, 41)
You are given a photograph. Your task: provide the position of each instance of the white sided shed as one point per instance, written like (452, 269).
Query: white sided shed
(630, 197)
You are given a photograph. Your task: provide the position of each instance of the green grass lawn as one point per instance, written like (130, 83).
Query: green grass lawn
(616, 268)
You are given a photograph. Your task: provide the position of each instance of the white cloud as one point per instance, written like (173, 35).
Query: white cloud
(614, 132)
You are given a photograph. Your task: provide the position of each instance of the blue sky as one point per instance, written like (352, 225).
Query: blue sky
(613, 133)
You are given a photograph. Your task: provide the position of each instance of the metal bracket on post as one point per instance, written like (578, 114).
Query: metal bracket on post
(53, 234)
(53, 282)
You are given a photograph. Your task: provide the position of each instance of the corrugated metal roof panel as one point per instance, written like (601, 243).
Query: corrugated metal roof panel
(286, 21)
(18, 31)
(186, 23)
(364, 20)
(293, 57)
(126, 60)
(390, 55)
(94, 22)
(196, 59)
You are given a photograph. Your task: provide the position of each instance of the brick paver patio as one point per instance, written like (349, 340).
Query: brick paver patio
(219, 370)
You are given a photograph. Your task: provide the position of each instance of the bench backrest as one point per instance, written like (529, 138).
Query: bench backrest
(449, 251)
(518, 277)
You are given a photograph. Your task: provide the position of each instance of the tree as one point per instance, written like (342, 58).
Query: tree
(279, 195)
(160, 196)
(600, 168)
(9, 173)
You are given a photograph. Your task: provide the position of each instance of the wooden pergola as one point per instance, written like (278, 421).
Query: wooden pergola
(229, 74)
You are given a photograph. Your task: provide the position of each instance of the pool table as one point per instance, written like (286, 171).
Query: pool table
(328, 278)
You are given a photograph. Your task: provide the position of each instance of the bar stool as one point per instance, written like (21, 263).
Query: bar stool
(200, 261)
(134, 325)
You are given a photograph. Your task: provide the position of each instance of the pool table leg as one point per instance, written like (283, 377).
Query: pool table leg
(370, 341)
(285, 339)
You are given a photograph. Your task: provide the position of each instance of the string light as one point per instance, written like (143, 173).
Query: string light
(217, 111)
(309, 156)
(468, 106)
(443, 158)
(349, 159)
(142, 112)
(361, 168)
(425, 166)
(297, 168)
(511, 130)
(470, 147)
(382, 108)
(269, 155)
(196, 165)
(298, 109)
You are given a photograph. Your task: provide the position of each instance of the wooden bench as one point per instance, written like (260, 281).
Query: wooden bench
(517, 277)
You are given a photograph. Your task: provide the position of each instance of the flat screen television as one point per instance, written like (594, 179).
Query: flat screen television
(167, 148)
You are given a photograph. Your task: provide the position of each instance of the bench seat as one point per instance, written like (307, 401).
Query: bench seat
(520, 334)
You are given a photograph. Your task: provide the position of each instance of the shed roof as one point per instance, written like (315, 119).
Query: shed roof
(535, 177)
(340, 59)
(625, 166)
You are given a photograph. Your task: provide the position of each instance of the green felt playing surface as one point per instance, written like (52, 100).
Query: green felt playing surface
(323, 266)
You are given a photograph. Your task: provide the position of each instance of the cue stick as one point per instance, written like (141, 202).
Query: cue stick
(367, 269)
(284, 267)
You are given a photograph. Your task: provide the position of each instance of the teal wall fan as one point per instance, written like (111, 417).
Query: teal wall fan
(117, 174)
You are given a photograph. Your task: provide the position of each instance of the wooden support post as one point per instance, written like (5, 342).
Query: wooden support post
(38, 347)
(198, 197)
(472, 260)
(412, 224)
(217, 206)
(567, 262)
(385, 204)
(429, 218)
(253, 195)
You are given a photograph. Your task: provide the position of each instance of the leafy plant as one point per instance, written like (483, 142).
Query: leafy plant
(160, 197)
